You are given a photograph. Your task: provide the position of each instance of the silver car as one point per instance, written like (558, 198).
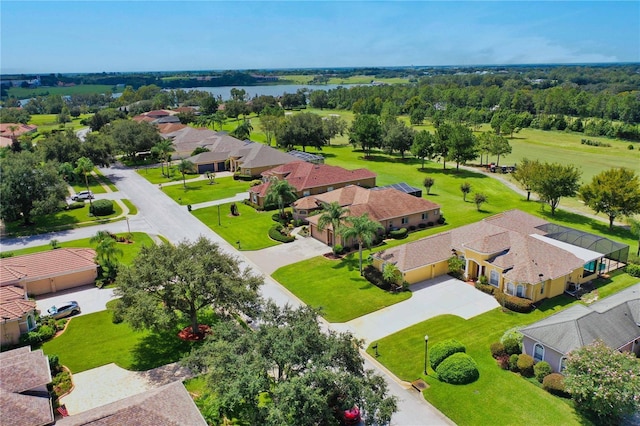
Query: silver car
(64, 310)
(82, 195)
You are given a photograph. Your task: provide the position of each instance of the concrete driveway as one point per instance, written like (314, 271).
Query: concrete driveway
(89, 297)
(270, 259)
(442, 295)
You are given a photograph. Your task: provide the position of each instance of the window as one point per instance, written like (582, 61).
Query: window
(306, 193)
(405, 220)
(425, 216)
(510, 289)
(31, 324)
(329, 188)
(520, 290)
(302, 212)
(563, 364)
(590, 267)
(494, 278)
(538, 352)
(254, 197)
(542, 288)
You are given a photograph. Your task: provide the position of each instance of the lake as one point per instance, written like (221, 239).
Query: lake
(268, 90)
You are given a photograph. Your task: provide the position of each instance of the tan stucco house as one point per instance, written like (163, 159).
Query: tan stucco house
(615, 320)
(518, 253)
(49, 271)
(392, 208)
(17, 314)
(311, 179)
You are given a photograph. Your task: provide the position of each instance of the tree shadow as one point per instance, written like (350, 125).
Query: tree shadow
(160, 348)
(556, 302)
(452, 172)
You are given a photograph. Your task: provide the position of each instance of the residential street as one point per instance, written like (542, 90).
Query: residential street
(160, 215)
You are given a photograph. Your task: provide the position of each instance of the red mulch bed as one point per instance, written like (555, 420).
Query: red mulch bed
(187, 333)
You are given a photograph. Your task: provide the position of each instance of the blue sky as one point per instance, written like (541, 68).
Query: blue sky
(96, 36)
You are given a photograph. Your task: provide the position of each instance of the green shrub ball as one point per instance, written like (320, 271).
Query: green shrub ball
(458, 369)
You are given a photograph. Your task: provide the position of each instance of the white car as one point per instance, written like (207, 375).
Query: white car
(82, 195)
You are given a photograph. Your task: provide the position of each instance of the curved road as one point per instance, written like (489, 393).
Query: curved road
(160, 215)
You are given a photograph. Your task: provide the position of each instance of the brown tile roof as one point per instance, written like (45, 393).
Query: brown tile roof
(6, 129)
(260, 155)
(141, 118)
(13, 304)
(383, 204)
(5, 141)
(46, 264)
(185, 109)
(165, 128)
(167, 405)
(520, 255)
(22, 371)
(305, 176)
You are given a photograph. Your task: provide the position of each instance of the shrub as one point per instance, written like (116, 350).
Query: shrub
(398, 234)
(630, 147)
(102, 208)
(422, 225)
(54, 364)
(288, 217)
(6, 254)
(503, 362)
(255, 182)
(375, 277)
(542, 370)
(75, 205)
(442, 350)
(514, 303)
(525, 365)
(275, 232)
(497, 350)
(512, 346)
(513, 333)
(554, 384)
(441, 220)
(513, 362)
(458, 369)
(430, 224)
(633, 270)
(412, 228)
(337, 249)
(485, 288)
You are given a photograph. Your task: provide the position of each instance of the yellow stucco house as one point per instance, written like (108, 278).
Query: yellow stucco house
(518, 253)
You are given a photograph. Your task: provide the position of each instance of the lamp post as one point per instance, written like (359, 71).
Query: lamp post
(128, 227)
(218, 214)
(426, 350)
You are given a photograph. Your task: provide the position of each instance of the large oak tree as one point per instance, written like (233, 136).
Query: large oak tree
(167, 284)
(614, 192)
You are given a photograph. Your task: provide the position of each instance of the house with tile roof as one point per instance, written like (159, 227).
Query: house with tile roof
(12, 131)
(513, 250)
(310, 179)
(24, 398)
(392, 208)
(49, 271)
(615, 320)
(17, 313)
(169, 405)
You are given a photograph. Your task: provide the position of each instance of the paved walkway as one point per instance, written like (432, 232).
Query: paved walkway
(109, 383)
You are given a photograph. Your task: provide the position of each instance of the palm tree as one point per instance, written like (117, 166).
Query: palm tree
(391, 273)
(85, 166)
(281, 192)
(184, 167)
(106, 252)
(243, 131)
(162, 149)
(332, 214)
(361, 229)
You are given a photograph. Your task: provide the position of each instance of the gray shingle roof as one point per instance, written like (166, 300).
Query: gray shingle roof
(614, 320)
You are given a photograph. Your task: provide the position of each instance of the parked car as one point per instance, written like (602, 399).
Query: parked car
(64, 310)
(351, 416)
(82, 195)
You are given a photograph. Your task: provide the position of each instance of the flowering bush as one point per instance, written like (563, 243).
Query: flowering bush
(603, 381)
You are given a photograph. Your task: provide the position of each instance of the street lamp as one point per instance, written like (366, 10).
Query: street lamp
(426, 349)
(128, 227)
(218, 214)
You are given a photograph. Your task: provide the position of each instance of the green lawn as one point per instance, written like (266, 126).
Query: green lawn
(133, 210)
(336, 288)
(251, 227)
(498, 397)
(155, 176)
(105, 180)
(49, 122)
(65, 219)
(129, 251)
(94, 185)
(201, 191)
(93, 340)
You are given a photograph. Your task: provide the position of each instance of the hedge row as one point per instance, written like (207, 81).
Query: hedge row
(275, 232)
(633, 270)
(75, 205)
(514, 303)
(374, 276)
(399, 234)
(486, 288)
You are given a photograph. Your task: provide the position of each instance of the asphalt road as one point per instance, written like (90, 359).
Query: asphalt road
(160, 215)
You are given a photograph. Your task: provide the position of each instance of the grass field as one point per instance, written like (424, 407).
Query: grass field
(94, 185)
(93, 340)
(251, 227)
(200, 191)
(48, 122)
(155, 175)
(498, 397)
(336, 288)
(22, 93)
(65, 219)
(129, 251)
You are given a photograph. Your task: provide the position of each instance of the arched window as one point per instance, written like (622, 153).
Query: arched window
(538, 352)
(520, 290)
(563, 362)
(31, 324)
(510, 289)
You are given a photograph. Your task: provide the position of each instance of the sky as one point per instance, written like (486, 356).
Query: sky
(107, 36)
